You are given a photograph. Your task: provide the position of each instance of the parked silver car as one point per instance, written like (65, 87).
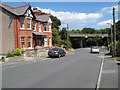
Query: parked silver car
(56, 52)
(95, 49)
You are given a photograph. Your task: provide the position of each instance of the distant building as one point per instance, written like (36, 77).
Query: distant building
(22, 27)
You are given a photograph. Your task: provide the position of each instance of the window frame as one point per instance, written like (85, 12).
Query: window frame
(22, 41)
(34, 24)
(30, 42)
(49, 27)
(45, 26)
(22, 21)
(46, 41)
(39, 27)
(29, 23)
(50, 41)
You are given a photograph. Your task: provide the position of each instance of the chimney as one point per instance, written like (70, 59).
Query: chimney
(35, 10)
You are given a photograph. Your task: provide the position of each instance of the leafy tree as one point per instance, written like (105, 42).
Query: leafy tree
(63, 34)
(56, 22)
(88, 30)
(56, 37)
(89, 41)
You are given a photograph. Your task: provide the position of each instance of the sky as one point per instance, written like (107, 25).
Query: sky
(77, 15)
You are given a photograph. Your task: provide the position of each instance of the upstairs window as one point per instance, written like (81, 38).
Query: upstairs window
(34, 26)
(45, 27)
(28, 23)
(49, 27)
(50, 43)
(39, 27)
(22, 22)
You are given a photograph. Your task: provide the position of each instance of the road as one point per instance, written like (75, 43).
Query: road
(76, 70)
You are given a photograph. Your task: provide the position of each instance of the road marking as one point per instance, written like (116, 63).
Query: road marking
(100, 74)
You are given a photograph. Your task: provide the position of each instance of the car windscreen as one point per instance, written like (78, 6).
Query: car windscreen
(95, 47)
(55, 49)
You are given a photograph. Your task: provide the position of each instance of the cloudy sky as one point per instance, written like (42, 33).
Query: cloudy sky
(77, 14)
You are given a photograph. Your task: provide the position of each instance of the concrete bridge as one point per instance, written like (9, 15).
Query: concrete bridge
(87, 35)
(83, 37)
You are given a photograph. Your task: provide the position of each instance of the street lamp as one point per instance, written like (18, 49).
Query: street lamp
(111, 39)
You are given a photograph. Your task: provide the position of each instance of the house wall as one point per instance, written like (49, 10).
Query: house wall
(0, 30)
(8, 40)
(26, 33)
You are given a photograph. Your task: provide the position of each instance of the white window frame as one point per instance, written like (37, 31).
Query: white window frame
(44, 27)
(22, 22)
(50, 41)
(22, 41)
(30, 42)
(34, 26)
(49, 27)
(45, 42)
(39, 26)
(29, 23)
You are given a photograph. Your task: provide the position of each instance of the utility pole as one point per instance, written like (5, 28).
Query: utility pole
(114, 32)
(67, 35)
(111, 38)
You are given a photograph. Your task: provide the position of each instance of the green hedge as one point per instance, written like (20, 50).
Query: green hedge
(117, 58)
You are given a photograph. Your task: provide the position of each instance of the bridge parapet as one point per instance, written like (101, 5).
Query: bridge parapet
(87, 35)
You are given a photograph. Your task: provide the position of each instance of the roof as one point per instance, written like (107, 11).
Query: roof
(39, 34)
(43, 18)
(8, 9)
(21, 11)
(17, 10)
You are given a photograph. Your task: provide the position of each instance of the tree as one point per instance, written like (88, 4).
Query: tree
(56, 37)
(88, 30)
(56, 22)
(63, 34)
(89, 42)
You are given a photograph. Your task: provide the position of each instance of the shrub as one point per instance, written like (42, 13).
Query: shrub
(2, 59)
(118, 48)
(18, 52)
(9, 55)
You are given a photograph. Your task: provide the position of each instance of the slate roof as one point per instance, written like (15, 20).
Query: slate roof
(8, 9)
(43, 18)
(16, 11)
(21, 11)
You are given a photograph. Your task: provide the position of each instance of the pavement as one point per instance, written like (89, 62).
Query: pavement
(80, 69)
(109, 77)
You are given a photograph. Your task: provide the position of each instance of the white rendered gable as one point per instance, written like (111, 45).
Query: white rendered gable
(28, 13)
(49, 21)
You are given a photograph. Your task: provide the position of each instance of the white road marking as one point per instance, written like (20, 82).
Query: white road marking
(100, 74)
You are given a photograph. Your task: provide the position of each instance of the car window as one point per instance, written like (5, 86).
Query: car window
(55, 49)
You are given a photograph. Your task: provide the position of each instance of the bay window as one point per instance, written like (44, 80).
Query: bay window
(28, 23)
(29, 42)
(23, 42)
(22, 22)
(34, 25)
(45, 42)
(50, 27)
(39, 27)
(45, 27)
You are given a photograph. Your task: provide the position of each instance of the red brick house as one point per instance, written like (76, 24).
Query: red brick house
(27, 28)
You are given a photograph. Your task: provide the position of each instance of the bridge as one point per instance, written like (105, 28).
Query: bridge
(83, 37)
(87, 35)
